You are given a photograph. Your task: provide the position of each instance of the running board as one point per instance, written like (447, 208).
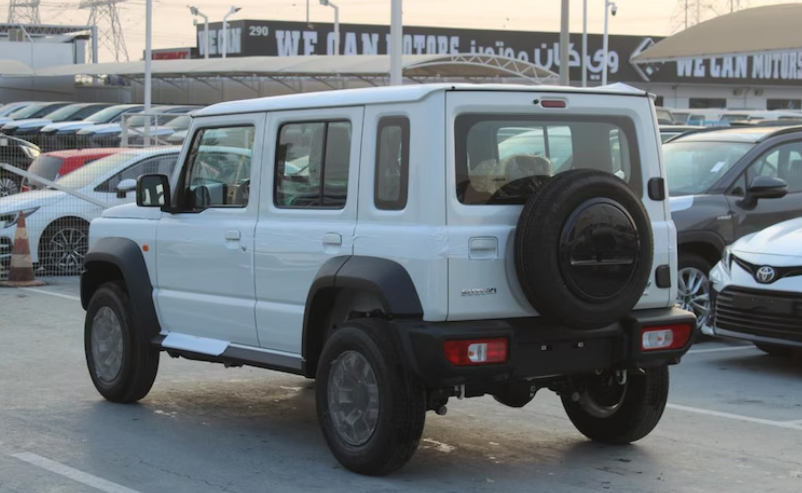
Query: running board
(226, 353)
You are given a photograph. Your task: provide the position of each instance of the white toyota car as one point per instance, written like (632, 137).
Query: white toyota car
(756, 289)
(58, 221)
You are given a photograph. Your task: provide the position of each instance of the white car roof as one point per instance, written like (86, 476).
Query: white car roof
(390, 94)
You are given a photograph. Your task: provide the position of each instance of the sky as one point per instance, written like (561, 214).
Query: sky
(172, 21)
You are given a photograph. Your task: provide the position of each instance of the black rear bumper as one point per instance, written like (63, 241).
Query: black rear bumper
(537, 349)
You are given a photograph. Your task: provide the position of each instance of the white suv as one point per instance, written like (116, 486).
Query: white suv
(387, 243)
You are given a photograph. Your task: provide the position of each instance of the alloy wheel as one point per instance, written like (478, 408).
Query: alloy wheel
(8, 187)
(68, 248)
(353, 398)
(693, 293)
(107, 344)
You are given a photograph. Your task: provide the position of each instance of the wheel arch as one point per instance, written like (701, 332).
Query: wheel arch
(707, 245)
(112, 259)
(375, 284)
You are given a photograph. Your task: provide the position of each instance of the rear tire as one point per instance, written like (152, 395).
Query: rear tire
(627, 419)
(121, 361)
(361, 376)
(773, 350)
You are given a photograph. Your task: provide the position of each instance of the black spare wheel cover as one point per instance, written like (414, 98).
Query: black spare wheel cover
(583, 249)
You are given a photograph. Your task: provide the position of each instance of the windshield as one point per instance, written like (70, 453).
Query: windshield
(693, 167)
(107, 114)
(63, 113)
(180, 123)
(88, 173)
(28, 111)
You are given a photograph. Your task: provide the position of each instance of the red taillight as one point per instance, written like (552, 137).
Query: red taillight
(666, 337)
(476, 351)
(25, 188)
(552, 103)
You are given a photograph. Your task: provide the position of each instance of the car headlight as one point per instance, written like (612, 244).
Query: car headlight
(8, 219)
(30, 152)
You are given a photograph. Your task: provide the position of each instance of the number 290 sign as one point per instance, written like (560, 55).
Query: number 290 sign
(258, 31)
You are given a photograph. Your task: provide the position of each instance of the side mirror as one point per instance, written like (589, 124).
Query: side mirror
(767, 187)
(153, 190)
(124, 187)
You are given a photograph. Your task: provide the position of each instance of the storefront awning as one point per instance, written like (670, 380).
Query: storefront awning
(413, 66)
(755, 31)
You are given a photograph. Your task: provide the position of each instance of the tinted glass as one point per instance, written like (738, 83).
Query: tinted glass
(392, 163)
(45, 166)
(501, 160)
(219, 176)
(107, 114)
(693, 167)
(28, 111)
(64, 113)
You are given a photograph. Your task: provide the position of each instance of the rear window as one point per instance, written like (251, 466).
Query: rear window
(45, 166)
(503, 159)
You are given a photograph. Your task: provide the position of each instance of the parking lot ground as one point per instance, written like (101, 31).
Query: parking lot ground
(734, 424)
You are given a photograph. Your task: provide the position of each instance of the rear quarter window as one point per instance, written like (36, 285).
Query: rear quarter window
(502, 159)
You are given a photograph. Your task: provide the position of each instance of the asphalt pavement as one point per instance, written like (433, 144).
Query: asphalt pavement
(734, 424)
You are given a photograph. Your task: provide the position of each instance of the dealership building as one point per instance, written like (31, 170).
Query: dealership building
(756, 82)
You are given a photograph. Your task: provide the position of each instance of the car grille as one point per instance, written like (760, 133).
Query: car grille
(775, 314)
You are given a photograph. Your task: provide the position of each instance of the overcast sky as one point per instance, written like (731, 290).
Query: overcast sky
(172, 21)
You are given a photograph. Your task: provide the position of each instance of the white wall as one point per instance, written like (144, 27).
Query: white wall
(678, 96)
(39, 54)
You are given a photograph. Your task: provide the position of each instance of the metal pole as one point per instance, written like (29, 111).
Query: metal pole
(604, 48)
(206, 36)
(225, 35)
(95, 51)
(148, 56)
(336, 29)
(585, 43)
(564, 31)
(396, 43)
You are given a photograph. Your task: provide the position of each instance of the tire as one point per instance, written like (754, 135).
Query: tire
(559, 248)
(399, 396)
(640, 409)
(66, 261)
(138, 358)
(697, 301)
(773, 350)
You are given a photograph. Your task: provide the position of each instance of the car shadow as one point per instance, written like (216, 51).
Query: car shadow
(786, 366)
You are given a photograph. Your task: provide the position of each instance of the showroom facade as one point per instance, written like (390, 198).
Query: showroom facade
(759, 82)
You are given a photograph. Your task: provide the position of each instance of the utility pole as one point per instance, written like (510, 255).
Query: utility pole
(564, 38)
(397, 43)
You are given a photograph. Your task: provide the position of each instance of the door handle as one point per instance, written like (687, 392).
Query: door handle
(332, 239)
(232, 235)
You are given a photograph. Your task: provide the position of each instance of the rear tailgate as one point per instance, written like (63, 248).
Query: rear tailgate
(485, 126)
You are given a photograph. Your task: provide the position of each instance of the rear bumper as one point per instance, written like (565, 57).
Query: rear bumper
(537, 349)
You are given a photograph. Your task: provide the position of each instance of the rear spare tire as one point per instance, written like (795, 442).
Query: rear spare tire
(584, 249)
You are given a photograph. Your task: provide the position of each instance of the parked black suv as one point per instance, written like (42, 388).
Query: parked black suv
(724, 184)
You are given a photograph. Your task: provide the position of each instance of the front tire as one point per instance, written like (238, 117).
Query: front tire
(693, 292)
(370, 408)
(63, 247)
(121, 360)
(610, 413)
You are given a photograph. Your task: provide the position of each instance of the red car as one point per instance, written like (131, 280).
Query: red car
(53, 165)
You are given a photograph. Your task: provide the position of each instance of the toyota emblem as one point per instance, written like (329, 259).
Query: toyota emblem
(765, 274)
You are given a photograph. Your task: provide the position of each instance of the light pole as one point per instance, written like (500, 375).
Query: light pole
(609, 7)
(564, 32)
(197, 13)
(148, 70)
(396, 43)
(326, 3)
(585, 43)
(232, 11)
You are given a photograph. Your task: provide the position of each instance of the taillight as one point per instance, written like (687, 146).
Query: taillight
(25, 188)
(666, 337)
(552, 103)
(476, 351)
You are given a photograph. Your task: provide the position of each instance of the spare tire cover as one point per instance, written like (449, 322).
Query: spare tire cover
(584, 249)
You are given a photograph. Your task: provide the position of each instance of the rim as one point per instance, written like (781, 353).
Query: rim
(8, 187)
(353, 398)
(67, 248)
(107, 344)
(693, 293)
(604, 399)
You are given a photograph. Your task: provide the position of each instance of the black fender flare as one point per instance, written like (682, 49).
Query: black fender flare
(126, 256)
(713, 239)
(388, 280)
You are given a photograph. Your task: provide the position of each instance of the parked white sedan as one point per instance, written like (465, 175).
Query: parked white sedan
(756, 289)
(58, 221)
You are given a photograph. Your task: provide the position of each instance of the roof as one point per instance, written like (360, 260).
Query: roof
(749, 135)
(320, 66)
(92, 151)
(759, 30)
(389, 94)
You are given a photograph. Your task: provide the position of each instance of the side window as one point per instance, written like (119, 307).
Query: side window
(159, 164)
(619, 153)
(219, 170)
(392, 163)
(784, 162)
(312, 163)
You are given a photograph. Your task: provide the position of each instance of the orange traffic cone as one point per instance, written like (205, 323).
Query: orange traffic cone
(21, 273)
